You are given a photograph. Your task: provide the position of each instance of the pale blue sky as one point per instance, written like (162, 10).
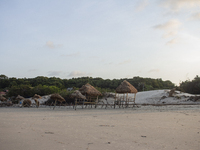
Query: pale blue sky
(100, 38)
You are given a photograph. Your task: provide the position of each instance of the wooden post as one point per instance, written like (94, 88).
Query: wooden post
(134, 99)
(55, 104)
(127, 99)
(96, 101)
(115, 99)
(75, 103)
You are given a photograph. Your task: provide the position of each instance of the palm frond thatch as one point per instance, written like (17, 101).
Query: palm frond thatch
(36, 96)
(89, 90)
(77, 94)
(126, 87)
(2, 98)
(57, 97)
(19, 97)
(26, 103)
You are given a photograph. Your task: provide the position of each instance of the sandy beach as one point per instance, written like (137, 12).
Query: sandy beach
(147, 127)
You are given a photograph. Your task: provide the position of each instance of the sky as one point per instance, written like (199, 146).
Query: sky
(111, 39)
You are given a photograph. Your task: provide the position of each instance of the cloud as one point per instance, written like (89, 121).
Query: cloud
(154, 70)
(142, 5)
(170, 25)
(71, 55)
(32, 70)
(170, 34)
(125, 62)
(173, 41)
(54, 73)
(77, 74)
(170, 29)
(195, 16)
(49, 44)
(177, 5)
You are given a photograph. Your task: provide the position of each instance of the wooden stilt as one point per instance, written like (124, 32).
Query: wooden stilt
(55, 104)
(96, 102)
(115, 99)
(75, 103)
(127, 100)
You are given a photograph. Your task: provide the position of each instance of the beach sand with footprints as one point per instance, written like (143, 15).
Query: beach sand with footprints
(147, 127)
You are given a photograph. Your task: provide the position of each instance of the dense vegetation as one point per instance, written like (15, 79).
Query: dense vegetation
(41, 85)
(192, 87)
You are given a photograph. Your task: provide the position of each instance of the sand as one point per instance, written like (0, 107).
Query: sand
(144, 128)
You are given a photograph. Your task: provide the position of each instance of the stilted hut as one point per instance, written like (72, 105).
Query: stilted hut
(79, 98)
(90, 93)
(57, 97)
(26, 103)
(19, 98)
(36, 97)
(2, 98)
(124, 88)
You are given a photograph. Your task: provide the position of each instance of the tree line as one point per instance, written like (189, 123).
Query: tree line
(192, 87)
(41, 85)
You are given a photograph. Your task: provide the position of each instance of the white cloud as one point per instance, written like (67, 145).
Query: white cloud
(170, 34)
(154, 70)
(71, 55)
(142, 5)
(177, 5)
(77, 74)
(170, 29)
(49, 44)
(170, 25)
(195, 16)
(173, 41)
(125, 62)
(54, 73)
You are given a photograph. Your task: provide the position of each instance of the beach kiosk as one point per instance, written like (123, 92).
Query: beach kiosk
(124, 88)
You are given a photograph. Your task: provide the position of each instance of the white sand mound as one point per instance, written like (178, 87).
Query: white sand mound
(159, 97)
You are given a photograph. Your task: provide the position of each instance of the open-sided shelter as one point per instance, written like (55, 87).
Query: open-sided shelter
(124, 88)
(90, 93)
(2, 98)
(57, 97)
(79, 98)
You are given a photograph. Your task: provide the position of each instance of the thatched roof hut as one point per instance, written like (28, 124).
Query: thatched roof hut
(26, 103)
(77, 94)
(57, 97)
(36, 96)
(19, 97)
(2, 98)
(89, 90)
(126, 87)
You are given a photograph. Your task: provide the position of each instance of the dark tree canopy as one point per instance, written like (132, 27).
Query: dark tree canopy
(43, 85)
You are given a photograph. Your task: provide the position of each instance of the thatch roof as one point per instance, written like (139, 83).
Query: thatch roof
(126, 87)
(36, 96)
(57, 97)
(19, 97)
(2, 98)
(26, 103)
(77, 94)
(89, 90)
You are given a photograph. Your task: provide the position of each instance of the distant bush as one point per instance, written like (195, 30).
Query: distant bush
(192, 87)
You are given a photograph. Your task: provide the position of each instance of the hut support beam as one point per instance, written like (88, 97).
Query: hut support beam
(55, 104)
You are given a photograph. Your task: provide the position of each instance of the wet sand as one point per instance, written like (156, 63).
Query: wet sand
(148, 127)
